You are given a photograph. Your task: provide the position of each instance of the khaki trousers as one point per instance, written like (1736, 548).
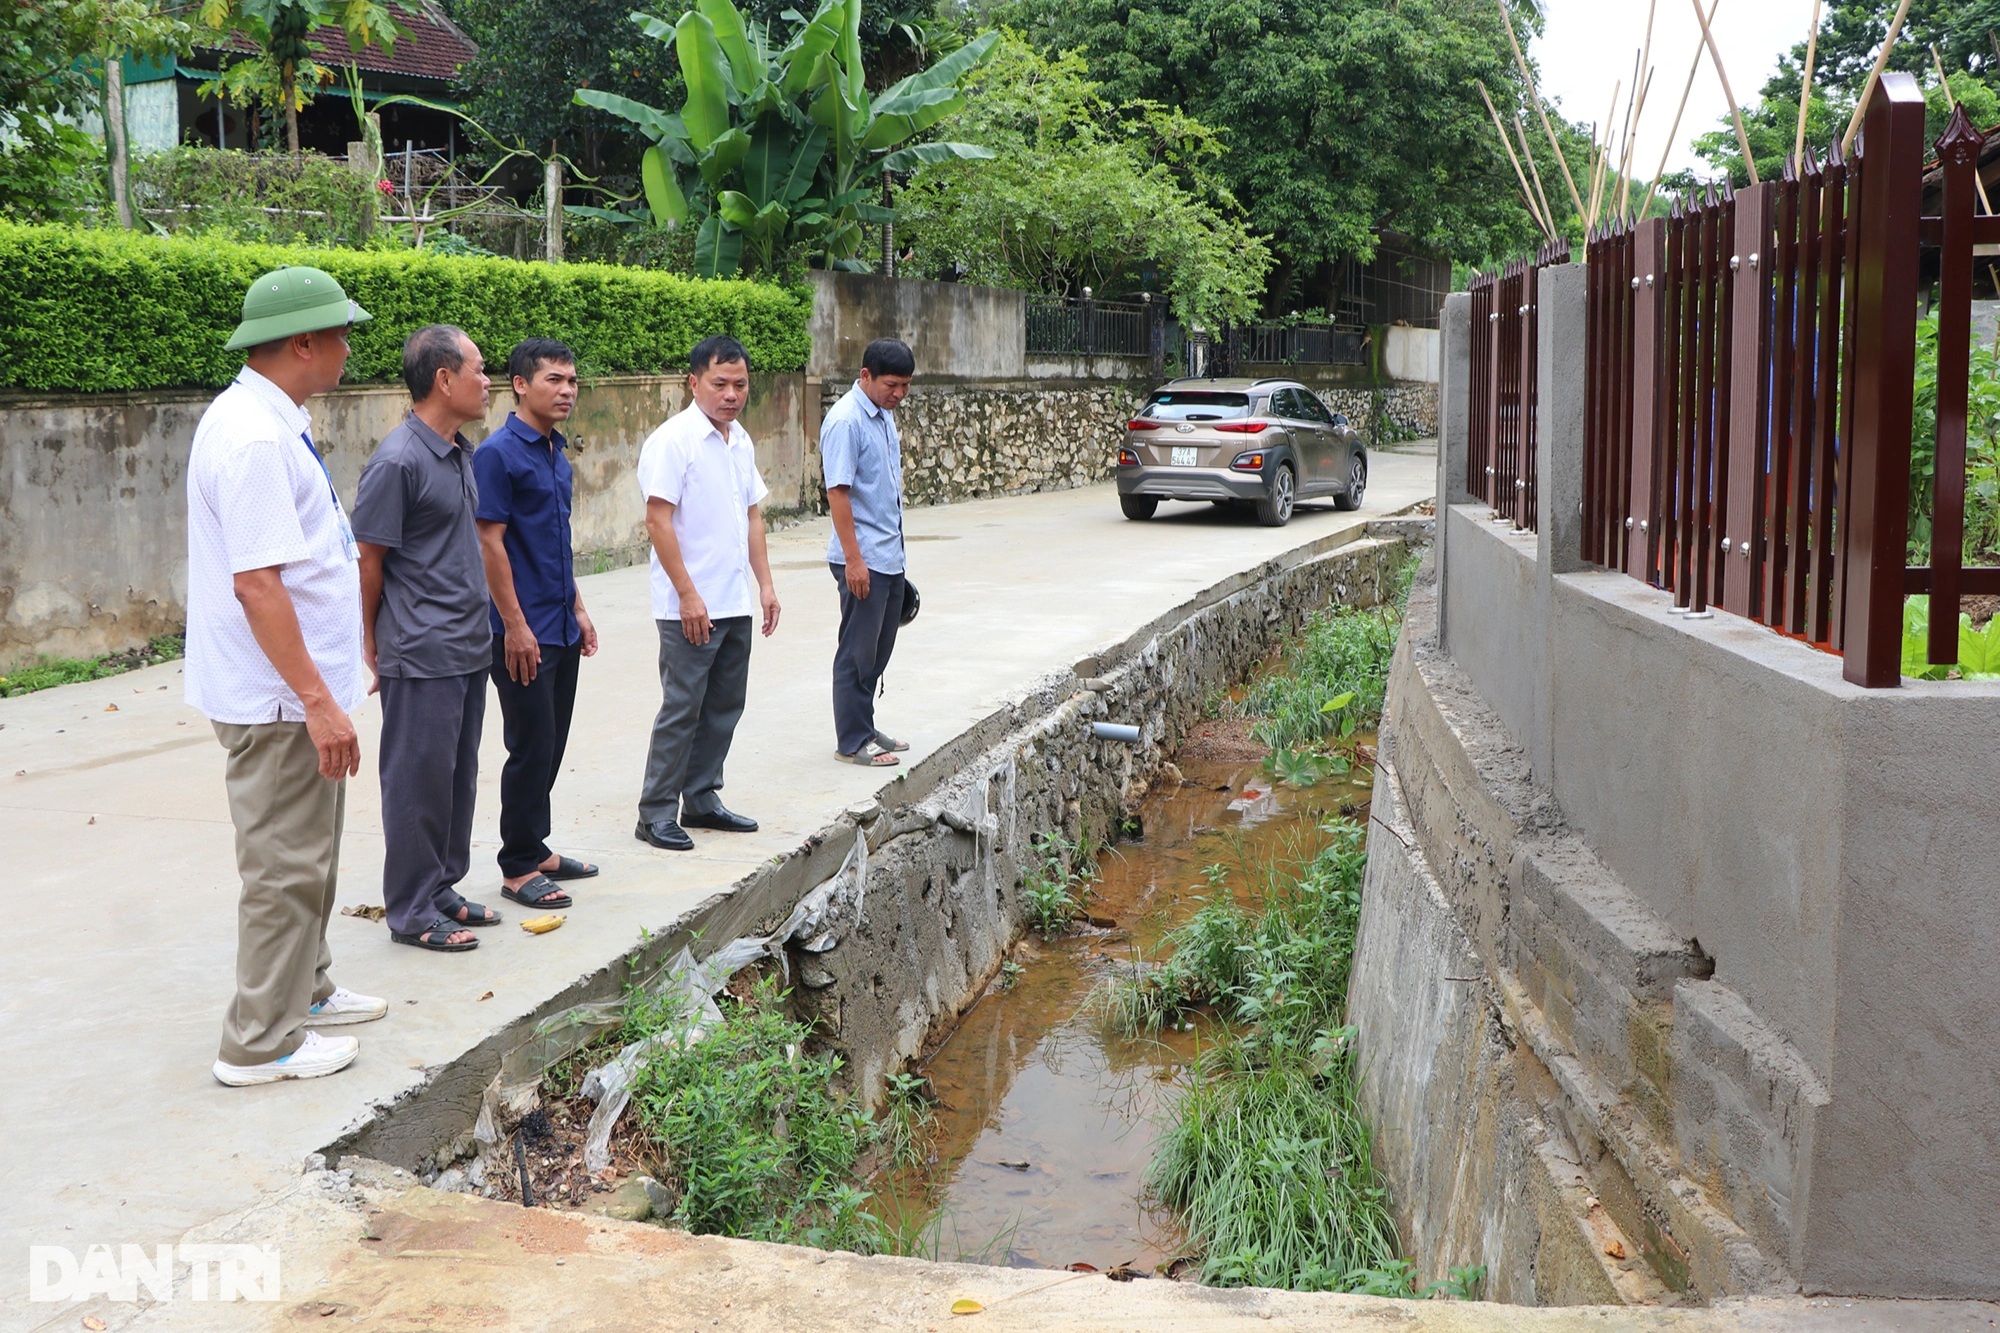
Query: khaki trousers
(288, 821)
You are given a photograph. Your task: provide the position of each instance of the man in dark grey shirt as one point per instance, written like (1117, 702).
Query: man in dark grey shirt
(423, 608)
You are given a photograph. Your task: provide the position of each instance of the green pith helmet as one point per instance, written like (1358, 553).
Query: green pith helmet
(289, 301)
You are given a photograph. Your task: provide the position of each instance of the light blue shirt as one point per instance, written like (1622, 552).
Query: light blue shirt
(859, 449)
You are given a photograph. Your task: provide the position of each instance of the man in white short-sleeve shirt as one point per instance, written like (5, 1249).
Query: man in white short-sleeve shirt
(711, 582)
(274, 660)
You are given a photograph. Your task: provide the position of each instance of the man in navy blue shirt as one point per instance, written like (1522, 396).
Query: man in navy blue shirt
(540, 629)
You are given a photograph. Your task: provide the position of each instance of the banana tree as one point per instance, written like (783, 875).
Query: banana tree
(783, 146)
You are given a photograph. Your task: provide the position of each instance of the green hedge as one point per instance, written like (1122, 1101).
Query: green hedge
(96, 310)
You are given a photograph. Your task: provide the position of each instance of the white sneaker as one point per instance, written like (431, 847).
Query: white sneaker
(344, 1006)
(316, 1057)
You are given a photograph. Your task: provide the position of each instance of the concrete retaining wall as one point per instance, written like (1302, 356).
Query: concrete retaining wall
(1738, 910)
(93, 506)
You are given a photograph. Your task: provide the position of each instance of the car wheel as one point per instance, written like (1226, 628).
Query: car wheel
(1357, 484)
(1138, 506)
(1275, 509)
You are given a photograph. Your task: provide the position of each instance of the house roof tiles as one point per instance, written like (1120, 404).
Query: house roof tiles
(433, 51)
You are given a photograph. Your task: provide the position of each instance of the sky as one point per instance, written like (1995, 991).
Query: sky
(1588, 46)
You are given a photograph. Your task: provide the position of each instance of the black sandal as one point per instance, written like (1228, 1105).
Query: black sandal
(436, 937)
(538, 892)
(473, 915)
(568, 867)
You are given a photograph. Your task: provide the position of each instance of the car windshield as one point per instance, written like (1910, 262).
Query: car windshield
(1195, 405)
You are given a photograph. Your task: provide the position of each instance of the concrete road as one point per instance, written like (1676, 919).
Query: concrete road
(119, 933)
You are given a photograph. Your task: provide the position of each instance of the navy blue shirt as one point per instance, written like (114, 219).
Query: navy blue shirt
(526, 485)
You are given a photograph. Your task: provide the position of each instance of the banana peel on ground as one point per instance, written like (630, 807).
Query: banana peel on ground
(542, 925)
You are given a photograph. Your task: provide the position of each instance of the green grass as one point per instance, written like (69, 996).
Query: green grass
(1344, 651)
(1266, 1157)
(751, 1129)
(49, 672)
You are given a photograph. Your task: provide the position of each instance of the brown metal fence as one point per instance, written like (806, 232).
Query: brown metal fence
(1501, 421)
(1750, 371)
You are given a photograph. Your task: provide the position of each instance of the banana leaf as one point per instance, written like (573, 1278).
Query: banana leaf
(706, 73)
(734, 39)
(663, 188)
(718, 249)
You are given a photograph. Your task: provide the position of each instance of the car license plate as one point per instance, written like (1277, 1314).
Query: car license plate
(1184, 456)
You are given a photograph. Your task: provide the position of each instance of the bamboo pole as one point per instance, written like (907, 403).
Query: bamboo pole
(1631, 148)
(1603, 155)
(1625, 126)
(1874, 76)
(1735, 111)
(1507, 22)
(1805, 91)
(1534, 210)
(1632, 125)
(1686, 88)
(1521, 129)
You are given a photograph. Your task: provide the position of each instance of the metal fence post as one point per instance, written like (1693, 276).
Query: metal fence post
(1874, 528)
(1648, 274)
(1156, 334)
(1749, 400)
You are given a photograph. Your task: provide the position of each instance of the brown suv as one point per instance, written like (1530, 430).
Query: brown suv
(1266, 443)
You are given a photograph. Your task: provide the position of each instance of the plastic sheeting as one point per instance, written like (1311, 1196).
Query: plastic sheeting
(816, 923)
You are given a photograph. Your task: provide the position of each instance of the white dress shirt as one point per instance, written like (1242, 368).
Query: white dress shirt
(711, 481)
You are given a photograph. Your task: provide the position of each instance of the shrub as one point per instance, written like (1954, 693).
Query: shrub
(273, 197)
(88, 311)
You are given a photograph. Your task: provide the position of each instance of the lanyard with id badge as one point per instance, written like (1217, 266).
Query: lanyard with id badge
(339, 513)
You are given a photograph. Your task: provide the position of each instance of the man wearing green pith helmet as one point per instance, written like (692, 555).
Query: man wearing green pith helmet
(274, 659)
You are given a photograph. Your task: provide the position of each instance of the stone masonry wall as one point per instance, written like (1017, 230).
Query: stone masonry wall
(1411, 407)
(973, 440)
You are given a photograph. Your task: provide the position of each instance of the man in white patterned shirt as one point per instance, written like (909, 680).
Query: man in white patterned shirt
(274, 659)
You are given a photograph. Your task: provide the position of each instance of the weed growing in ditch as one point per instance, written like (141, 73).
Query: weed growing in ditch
(752, 1131)
(1052, 885)
(1341, 653)
(908, 1121)
(1265, 1156)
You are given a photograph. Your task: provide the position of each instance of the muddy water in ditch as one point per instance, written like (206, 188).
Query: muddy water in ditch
(1047, 1117)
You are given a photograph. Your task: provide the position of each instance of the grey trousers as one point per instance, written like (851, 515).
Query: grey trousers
(701, 701)
(288, 821)
(867, 637)
(430, 776)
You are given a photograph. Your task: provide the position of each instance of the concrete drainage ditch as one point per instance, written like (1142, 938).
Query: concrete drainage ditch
(894, 918)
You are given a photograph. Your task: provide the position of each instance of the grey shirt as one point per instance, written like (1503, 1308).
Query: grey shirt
(418, 498)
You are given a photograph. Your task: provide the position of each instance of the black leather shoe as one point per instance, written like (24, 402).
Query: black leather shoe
(664, 833)
(719, 818)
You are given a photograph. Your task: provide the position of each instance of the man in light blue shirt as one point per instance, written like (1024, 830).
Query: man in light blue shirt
(862, 463)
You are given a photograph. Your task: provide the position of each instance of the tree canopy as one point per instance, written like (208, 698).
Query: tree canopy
(1965, 32)
(1339, 116)
(1081, 192)
(50, 51)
